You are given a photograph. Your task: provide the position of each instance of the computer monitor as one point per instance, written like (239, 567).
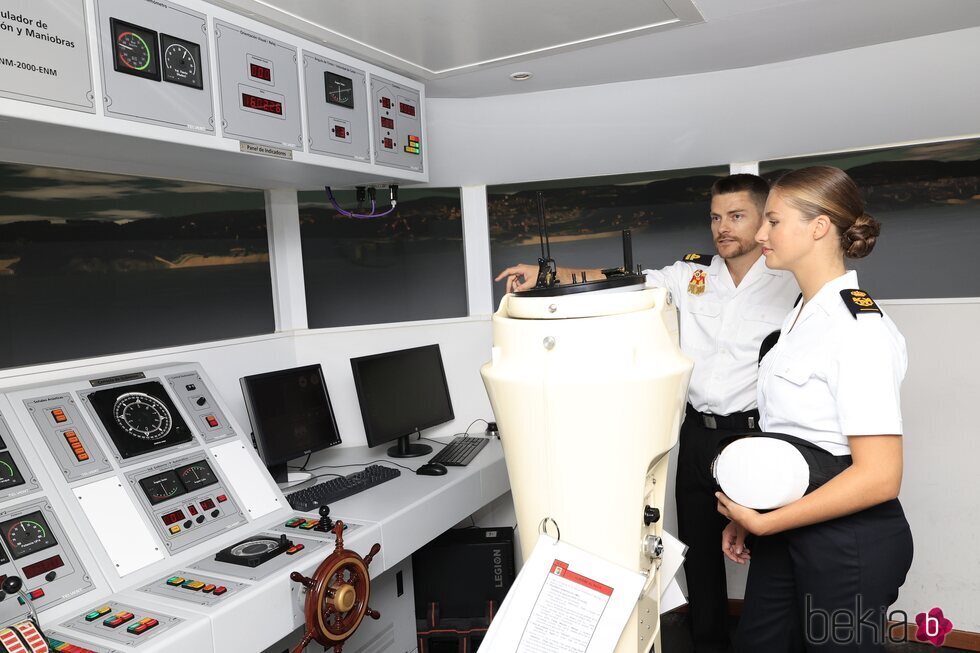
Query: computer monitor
(401, 393)
(291, 415)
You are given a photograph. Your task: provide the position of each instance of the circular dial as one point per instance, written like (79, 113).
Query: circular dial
(26, 535)
(196, 475)
(142, 416)
(133, 51)
(180, 61)
(163, 488)
(255, 547)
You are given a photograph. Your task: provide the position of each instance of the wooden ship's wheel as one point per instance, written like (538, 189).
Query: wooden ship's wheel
(337, 595)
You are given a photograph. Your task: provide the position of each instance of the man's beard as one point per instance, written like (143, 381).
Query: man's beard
(740, 248)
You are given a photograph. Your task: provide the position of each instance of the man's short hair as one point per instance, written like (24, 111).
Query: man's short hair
(755, 186)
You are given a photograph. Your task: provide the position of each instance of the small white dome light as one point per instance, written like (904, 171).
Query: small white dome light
(521, 76)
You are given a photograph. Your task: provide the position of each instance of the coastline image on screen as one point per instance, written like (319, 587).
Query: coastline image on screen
(291, 415)
(401, 393)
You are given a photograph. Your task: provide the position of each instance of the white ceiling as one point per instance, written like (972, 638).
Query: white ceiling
(468, 48)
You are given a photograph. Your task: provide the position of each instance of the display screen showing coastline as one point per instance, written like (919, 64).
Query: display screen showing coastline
(43, 48)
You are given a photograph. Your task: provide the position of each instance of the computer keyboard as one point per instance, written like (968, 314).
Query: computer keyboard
(335, 489)
(460, 451)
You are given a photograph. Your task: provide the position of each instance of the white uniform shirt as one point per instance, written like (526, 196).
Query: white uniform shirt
(832, 376)
(722, 327)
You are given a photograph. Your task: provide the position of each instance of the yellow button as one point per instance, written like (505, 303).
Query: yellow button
(175, 529)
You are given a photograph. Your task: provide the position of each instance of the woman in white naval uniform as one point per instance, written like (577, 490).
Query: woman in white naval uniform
(826, 567)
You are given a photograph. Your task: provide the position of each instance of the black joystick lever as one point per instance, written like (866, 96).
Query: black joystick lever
(12, 585)
(326, 524)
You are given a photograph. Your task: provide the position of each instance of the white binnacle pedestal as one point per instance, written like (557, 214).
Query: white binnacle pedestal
(588, 391)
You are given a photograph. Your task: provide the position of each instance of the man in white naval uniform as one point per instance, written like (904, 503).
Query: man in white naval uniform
(727, 304)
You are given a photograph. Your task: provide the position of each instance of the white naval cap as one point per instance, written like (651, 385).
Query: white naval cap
(761, 473)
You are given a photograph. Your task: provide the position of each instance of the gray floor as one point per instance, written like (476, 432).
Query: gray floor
(675, 637)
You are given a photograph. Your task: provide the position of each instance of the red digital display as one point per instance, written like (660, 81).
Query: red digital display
(407, 109)
(261, 104)
(388, 143)
(207, 504)
(173, 517)
(386, 102)
(340, 132)
(387, 123)
(43, 566)
(260, 72)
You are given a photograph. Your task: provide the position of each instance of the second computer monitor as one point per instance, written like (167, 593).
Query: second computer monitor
(291, 415)
(401, 393)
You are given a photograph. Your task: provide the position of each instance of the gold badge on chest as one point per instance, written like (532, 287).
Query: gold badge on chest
(696, 285)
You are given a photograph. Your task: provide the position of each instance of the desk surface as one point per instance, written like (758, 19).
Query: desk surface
(412, 510)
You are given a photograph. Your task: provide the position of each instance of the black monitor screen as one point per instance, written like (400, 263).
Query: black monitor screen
(290, 413)
(401, 392)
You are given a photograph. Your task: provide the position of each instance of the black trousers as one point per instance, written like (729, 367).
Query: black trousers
(699, 526)
(826, 587)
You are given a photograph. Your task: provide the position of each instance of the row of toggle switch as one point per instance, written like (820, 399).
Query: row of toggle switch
(195, 585)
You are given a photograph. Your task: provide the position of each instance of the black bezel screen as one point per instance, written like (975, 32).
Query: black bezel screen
(45, 540)
(197, 479)
(150, 483)
(14, 478)
(141, 38)
(194, 81)
(103, 401)
(335, 86)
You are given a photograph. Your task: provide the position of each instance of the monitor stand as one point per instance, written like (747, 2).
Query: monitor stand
(407, 449)
(285, 478)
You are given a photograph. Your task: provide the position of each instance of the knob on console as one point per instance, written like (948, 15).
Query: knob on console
(12, 585)
(326, 524)
(650, 515)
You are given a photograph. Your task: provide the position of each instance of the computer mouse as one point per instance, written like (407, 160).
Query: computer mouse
(432, 469)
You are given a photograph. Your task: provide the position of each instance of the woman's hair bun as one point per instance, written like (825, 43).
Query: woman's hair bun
(859, 239)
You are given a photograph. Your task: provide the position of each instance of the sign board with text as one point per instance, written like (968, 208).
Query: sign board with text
(44, 55)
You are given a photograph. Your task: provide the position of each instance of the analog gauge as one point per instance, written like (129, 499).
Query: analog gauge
(181, 62)
(160, 487)
(134, 50)
(197, 475)
(9, 474)
(340, 89)
(142, 416)
(27, 535)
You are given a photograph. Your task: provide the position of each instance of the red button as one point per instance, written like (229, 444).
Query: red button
(36, 594)
(212, 421)
(222, 498)
(219, 590)
(59, 415)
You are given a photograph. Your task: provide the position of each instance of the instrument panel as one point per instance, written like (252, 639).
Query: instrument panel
(186, 500)
(140, 419)
(153, 526)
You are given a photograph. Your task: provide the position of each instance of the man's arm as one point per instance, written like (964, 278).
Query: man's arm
(523, 276)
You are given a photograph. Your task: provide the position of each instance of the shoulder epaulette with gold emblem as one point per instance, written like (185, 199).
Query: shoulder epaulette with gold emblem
(858, 302)
(700, 259)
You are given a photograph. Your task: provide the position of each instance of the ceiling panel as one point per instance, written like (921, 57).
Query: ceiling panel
(467, 48)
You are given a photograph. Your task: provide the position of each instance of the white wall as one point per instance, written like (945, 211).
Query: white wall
(465, 346)
(919, 89)
(914, 90)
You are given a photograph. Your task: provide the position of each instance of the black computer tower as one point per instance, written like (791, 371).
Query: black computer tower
(460, 580)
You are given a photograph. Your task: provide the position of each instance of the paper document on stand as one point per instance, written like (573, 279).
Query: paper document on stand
(565, 600)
